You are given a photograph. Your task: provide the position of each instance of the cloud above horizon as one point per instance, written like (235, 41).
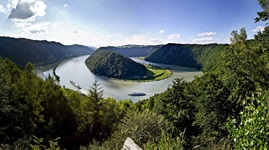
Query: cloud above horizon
(40, 27)
(174, 36)
(89, 22)
(26, 9)
(23, 14)
(161, 31)
(207, 34)
(259, 28)
(205, 39)
(2, 9)
(22, 11)
(156, 41)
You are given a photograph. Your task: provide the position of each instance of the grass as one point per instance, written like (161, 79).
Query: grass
(141, 58)
(156, 74)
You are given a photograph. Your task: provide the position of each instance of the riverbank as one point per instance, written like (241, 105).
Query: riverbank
(53, 66)
(54, 71)
(157, 73)
(75, 69)
(48, 66)
(154, 74)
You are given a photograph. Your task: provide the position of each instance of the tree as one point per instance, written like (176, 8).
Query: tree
(91, 123)
(6, 110)
(241, 37)
(252, 130)
(263, 15)
(178, 108)
(59, 118)
(143, 127)
(213, 109)
(20, 106)
(242, 67)
(167, 142)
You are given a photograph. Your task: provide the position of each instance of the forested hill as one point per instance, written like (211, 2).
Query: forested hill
(133, 50)
(39, 53)
(111, 64)
(188, 55)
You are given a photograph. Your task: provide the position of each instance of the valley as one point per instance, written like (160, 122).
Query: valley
(168, 75)
(42, 54)
(112, 87)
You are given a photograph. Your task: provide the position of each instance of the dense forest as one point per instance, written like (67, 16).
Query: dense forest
(111, 64)
(225, 108)
(189, 55)
(39, 53)
(132, 50)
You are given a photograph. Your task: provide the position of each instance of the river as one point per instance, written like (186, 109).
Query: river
(75, 69)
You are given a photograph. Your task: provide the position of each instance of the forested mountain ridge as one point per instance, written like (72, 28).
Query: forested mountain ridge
(40, 53)
(189, 55)
(111, 64)
(132, 50)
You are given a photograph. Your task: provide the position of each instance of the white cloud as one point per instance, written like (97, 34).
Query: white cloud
(137, 36)
(21, 24)
(2, 9)
(207, 34)
(24, 12)
(26, 9)
(139, 39)
(117, 35)
(75, 31)
(156, 41)
(41, 27)
(162, 31)
(65, 5)
(28, 27)
(12, 4)
(205, 39)
(259, 28)
(38, 8)
(174, 36)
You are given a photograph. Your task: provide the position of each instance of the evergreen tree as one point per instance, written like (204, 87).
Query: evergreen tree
(91, 125)
(263, 15)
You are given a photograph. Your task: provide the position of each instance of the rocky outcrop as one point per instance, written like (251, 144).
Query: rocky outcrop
(129, 144)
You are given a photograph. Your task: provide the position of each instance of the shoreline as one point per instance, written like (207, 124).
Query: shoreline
(129, 80)
(113, 86)
(150, 68)
(54, 71)
(53, 66)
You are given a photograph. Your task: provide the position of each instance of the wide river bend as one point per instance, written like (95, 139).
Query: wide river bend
(75, 69)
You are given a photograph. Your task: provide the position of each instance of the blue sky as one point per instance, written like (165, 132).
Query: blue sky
(120, 22)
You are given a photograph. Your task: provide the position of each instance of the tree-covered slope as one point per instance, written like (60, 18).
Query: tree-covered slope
(133, 50)
(112, 64)
(188, 55)
(40, 53)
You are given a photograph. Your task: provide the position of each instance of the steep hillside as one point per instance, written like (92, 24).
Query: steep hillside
(188, 55)
(132, 50)
(39, 53)
(111, 64)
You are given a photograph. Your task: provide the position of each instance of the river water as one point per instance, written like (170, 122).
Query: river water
(75, 69)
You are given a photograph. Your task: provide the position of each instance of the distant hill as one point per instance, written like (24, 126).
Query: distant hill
(189, 55)
(111, 64)
(39, 53)
(92, 47)
(132, 50)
